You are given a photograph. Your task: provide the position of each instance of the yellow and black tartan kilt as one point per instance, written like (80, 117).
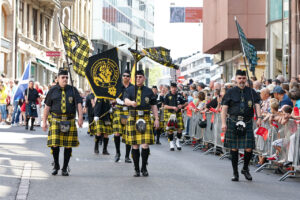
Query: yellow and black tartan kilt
(100, 128)
(118, 127)
(161, 123)
(58, 138)
(179, 119)
(133, 137)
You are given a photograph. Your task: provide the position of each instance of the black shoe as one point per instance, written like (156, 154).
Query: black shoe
(105, 152)
(26, 127)
(32, 129)
(235, 177)
(172, 149)
(64, 172)
(137, 173)
(117, 157)
(158, 142)
(127, 160)
(247, 174)
(287, 164)
(55, 170)
(145, 172)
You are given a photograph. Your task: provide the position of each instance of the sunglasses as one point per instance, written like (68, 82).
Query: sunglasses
(126, 76)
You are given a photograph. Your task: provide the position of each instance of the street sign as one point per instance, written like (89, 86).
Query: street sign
(53, 53)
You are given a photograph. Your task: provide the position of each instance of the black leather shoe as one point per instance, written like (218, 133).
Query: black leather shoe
(158, 142)
(145, 172)
(172, 149)
(105, 152)
(127, 160)
(96, 148)
(137, 173)
(55, 170)
(64, 172)
(26, 127)
(117, 157)
(235, 177)
(247, 174)
(32, 129)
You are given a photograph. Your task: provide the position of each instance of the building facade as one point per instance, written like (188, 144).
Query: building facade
(197, 67)
(119, 23)
(37, 32)
(220, 36)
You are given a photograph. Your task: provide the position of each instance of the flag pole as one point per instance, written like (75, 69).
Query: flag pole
(67, 59)
(135, 79)
(245, 63)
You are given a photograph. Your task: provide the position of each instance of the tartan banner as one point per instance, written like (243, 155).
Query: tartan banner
(160, 55)
(136, 54)
(77, 49)
(248, 49)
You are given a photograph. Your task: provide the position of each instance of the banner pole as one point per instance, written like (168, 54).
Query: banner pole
(67, 59)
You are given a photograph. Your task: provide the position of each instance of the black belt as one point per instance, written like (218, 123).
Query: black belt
(137, 112)
(239, 118)
(63, 117)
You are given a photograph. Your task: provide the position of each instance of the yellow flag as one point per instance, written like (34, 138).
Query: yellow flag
(133, 74)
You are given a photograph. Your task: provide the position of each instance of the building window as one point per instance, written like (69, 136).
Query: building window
(21, 14)
(34, 23)
(41, 28)
(28, 20)
(3, 23)
(47, 23)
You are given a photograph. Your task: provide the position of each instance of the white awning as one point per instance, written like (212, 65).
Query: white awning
(47, 65)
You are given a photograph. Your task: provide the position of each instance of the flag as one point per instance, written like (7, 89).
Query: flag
(77, 49)
(132, 79)
(160, 55)
(137, 55)
(248, 49)
(263, 132)
(103, 74)
(23, 84)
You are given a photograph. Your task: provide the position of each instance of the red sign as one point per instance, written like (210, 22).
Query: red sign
(53, 53)
(193, 14)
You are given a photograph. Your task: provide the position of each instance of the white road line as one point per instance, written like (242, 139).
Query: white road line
(24, 183)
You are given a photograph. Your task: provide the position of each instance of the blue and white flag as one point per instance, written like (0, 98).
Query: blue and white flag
(248, 49)
(23, 84)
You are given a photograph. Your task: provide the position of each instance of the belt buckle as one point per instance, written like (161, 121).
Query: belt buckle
(64, 118)
(140, 112)
(240, 118)
(125, 108)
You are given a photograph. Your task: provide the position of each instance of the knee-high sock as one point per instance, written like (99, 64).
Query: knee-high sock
(145, 155)
(117, 144)
(171, 136)
(67, 156)
(128, 148)
(247, 158)
(32, 122)
(55, 153)
(27, 121)
(105, 141)
(136, 158)
(158, 135)
(234, 161)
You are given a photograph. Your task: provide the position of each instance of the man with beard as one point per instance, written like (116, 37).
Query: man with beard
(238, 103)
(61, 102)
(31, 97)
(119, 121)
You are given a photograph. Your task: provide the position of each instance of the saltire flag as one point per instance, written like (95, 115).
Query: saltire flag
(137, 57)
(77, 49)
(23, 84)
(160, 55)
(248, 49)
(103, 74)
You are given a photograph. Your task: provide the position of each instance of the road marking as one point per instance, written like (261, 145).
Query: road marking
(24, 183)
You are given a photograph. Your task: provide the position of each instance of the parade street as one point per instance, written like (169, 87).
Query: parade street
(173, 175)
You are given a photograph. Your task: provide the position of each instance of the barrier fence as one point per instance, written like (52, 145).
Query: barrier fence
(279, 142)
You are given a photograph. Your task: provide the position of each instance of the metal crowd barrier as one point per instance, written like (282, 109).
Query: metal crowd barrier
(289, 133)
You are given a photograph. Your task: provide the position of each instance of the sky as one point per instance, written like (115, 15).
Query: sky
(182, 39)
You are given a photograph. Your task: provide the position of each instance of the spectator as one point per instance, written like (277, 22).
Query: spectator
(280, 95)
(294, 85)
(268, 82)
(214, 102)
(280, 78)
(193, 87)
(201, 105)
(200, 86)
(265, 97)
(39, 106)
(3, 96)
(16, 112)
(276, 82)
(257, 86)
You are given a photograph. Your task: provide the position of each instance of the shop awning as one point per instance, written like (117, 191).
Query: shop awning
(47, 65)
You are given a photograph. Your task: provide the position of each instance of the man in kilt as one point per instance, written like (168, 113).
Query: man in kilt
(90, 110)
(61, 102)
(139, 129)
(31, 99)
(102, 124)
(173, 104)
(120, 113)
(238, 103)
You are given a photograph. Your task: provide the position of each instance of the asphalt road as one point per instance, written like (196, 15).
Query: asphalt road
(173, 175)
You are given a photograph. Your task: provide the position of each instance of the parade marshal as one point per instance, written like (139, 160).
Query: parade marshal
(61, 102)
(238, 103)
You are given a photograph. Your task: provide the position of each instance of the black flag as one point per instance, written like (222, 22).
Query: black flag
(103, 74)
